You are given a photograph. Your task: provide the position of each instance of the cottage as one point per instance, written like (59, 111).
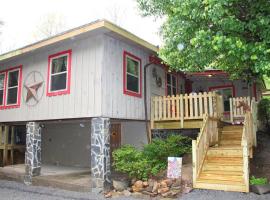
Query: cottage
(59, 96)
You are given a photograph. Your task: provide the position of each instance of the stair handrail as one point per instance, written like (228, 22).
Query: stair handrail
(208, 135)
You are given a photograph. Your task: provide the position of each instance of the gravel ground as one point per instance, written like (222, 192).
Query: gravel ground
(219, 195)
(17, 191)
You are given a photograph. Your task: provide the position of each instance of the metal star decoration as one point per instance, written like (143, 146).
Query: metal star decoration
(32, 91)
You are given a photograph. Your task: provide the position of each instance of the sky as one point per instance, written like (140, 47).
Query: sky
(22, 18)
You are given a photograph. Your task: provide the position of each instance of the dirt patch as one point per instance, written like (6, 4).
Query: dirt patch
(260, 164)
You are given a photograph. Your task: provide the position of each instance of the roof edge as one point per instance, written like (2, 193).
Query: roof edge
(77, 31)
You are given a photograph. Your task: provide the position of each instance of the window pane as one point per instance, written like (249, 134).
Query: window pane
(168, 79)
(174, 91)
(58, 82)
(12, 96)
(132, 67)
(13, 78)
(1, 97)
(59, 64)
(174, 81)
(132, 83)
(2, 79)
(169, 90)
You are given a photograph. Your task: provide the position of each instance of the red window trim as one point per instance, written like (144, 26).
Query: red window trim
(223, 87)
(126, 91)
(69, 60)
(166, 84)
(18, 104)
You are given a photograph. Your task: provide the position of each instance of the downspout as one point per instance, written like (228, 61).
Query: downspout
(145, 102)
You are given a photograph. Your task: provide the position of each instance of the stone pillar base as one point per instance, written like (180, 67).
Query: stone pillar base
(33, 152)
(100, 153)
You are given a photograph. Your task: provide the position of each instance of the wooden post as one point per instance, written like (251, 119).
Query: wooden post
(231, 110)
(182, 110)
(12, 144)
(194, 162)
(5, 150)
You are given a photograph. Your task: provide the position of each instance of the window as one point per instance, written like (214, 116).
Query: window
(171, 84)
(10, 87)
(132, 75)
(2, 88)
(59, 71)
(227, 91)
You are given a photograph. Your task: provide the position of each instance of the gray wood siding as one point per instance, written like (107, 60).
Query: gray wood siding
(116, 104)
(84, 99)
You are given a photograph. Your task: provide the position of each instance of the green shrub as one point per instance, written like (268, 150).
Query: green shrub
(159, 150)
(152, 159)
(129, 160)
(258, 181)
(264, 113)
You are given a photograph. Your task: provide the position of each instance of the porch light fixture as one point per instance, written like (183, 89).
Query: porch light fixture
(210, 75)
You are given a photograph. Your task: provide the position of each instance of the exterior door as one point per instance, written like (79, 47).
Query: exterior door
(115, 137)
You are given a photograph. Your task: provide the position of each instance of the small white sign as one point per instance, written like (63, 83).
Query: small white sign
(174, 167)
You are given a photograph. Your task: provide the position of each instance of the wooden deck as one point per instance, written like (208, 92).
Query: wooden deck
(221, 151)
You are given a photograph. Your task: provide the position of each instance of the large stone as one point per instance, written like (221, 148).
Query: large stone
(33, 151)
(100, 153)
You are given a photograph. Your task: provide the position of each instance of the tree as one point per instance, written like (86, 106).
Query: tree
(50, 25)
(231, 35)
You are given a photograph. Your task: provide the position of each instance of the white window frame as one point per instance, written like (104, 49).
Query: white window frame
(67, 72)
(18, 86)
(4, 88)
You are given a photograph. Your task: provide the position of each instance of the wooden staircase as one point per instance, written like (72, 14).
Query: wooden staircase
(222, 168)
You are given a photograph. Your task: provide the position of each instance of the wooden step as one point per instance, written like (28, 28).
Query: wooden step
(231, 132)
(221, 177)
(237, 173)
(225, 151)
(231, 142)
(217, 186)
(223, 167)
(231, 137)
(233, 127)
(227, 160)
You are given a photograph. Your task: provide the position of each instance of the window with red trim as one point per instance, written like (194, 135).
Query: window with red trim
(10, 87)
(59, 71)
(132, 75)
(171, 84)
(2, 88)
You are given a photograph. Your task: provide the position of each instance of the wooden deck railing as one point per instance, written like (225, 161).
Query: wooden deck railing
(249, 139)
(236, 110)
(208, 136)
(186, 107)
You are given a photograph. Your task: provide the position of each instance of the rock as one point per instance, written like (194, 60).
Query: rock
(176, 182)
(169, 182)
(120, 185)
(147, 193)
(163, 184)
(126, 193)
(149, 189)
(187, 189)
(108, 195)
(163, 190)
(155, 187)
(151, 182)
(145, 184)
(260, 189)
(138, 184)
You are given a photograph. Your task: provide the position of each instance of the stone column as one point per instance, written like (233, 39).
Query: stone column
(100, 153)
(33, 151)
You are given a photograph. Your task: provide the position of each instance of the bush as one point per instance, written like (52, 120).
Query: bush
(152, 159)
(129, 160)
(264, 113)
(258, 181)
